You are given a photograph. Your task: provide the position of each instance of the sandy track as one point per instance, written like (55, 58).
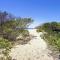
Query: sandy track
(36, 49)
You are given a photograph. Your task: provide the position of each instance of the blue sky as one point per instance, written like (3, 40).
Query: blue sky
(39, 10)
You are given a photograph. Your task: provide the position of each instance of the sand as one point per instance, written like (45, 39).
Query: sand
(35, 49)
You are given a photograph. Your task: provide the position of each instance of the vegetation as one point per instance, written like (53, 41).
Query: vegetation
(4, 43)
(52, 35)
(10, 28)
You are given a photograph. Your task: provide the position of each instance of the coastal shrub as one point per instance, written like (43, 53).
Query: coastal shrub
(52, 35)
(4, 43)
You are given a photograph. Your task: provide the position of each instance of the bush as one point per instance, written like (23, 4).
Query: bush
(53, 34)
(4, 43)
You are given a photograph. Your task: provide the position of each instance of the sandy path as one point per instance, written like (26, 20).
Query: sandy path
(36, 49)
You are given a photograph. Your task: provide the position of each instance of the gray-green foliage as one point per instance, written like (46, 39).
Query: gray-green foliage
(10, 27)
(14, 27)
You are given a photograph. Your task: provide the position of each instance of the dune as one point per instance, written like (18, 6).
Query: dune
(35, 49)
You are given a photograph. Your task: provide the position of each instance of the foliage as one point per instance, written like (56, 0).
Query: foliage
(52, 35)
(10, 28)
(4, 43)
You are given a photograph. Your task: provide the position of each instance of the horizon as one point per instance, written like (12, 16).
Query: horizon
(40, 11)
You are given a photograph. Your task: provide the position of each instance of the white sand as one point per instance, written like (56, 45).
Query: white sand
(36, 49)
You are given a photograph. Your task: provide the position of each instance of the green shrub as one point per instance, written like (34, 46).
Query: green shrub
(4, 43)
(53, 34)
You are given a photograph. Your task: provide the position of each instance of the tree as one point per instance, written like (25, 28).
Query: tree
(10, 25)
(23, 22)
(2, 19)
(3, 16)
